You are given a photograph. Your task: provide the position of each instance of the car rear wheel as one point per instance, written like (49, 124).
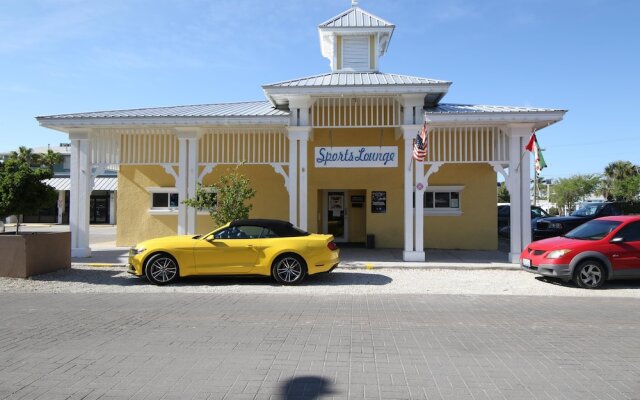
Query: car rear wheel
(161, 269)
(289, 269)
(590, 274)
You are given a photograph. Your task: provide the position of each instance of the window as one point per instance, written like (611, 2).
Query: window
(164, 200)
(243, 232)
(630, 233)
(442, 200)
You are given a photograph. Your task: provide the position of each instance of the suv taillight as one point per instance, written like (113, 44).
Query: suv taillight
(332, 246)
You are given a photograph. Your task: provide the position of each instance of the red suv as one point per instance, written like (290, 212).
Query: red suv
(599, 250)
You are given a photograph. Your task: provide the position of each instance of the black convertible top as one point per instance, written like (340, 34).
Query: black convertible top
(279, 227)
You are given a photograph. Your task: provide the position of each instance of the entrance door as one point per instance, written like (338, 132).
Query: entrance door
(336, 218)
(99, 210)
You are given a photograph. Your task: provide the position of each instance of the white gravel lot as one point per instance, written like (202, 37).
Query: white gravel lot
(88, 279)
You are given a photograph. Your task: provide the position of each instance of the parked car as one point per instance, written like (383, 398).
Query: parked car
(599, 250)
(244, 247)
(504, 218)
(556, 226)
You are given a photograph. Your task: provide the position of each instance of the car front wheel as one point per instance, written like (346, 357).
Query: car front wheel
(590, 274)
(289, 269)
(161, 269)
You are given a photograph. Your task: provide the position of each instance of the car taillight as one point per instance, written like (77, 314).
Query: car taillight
(332, 246)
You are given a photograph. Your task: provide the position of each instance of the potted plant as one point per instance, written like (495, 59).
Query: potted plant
(23, 192)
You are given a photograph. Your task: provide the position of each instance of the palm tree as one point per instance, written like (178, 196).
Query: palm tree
(616, 171)
(51, 158)
(25, 155)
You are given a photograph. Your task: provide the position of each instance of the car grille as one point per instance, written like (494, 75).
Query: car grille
(542, 225)
(535, 252)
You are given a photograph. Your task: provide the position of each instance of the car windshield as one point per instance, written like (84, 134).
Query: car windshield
(538, 213)
(588, 210)
(593, 230)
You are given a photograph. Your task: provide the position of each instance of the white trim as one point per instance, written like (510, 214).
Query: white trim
(157, 211)
(66, 124)
(456, 188)
(442, 212)
(163, 189)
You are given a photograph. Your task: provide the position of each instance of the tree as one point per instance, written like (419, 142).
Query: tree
(50, 158)
(503, 193)
(626, 189)
(25, 155)
(615, 172)
(568, 191)
(225, 199)
(21, 187)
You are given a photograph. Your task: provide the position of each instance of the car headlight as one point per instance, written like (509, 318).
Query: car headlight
(555, 225)
(558, 253)
(136, 250)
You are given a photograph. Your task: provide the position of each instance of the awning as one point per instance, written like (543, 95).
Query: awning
(109, 184)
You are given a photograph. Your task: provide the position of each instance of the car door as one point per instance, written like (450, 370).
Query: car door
(232, 251)
(625, 251)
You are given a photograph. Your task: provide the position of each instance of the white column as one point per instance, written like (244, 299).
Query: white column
(187, 177)
(413, 115)
(519, 190)
(192, 184)
(293, 180)
(298, 192)
(80, 193)
(408, 134)
(419, 211)
(304, 195)
(61, 205)
(181, 185)
(112, 207)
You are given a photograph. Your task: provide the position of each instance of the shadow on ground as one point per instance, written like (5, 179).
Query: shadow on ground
(118, 276)
(608, 285)
(306, 388)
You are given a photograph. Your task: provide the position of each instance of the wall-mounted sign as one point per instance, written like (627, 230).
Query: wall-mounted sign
(378, 202)
(356, 157)
(357, 201)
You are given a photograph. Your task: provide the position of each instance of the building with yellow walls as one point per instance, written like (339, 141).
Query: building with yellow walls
(331, 153)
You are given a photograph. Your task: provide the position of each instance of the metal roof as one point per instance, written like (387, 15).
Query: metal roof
(355, 17)
(477, 109)
(244, 109)
(109, 184)
(356, 79)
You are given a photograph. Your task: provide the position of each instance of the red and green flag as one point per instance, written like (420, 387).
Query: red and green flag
(533, 147)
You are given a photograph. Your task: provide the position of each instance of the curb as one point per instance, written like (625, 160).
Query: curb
(458, 267)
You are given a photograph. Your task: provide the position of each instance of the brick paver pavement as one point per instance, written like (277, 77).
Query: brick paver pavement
(209, 346)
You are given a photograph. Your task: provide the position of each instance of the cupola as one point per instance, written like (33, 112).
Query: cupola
(355, 40)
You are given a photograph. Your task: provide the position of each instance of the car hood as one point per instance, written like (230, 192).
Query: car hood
(557, 243)
(562, 219)
(168, 241)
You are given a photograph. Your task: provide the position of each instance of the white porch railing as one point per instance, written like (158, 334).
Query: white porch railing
(467, 145)
(356, 112)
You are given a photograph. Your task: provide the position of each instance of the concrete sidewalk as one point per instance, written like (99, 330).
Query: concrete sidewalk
(352, 257)
(105, 252)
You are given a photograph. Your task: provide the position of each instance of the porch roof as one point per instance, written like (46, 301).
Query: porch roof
(64, 183)
(252, 108)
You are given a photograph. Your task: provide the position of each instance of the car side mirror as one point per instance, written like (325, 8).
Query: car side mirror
(618, 239)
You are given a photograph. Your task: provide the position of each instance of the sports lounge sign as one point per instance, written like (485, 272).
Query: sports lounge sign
(356, 157)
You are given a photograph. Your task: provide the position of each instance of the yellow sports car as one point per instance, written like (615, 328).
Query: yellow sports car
(243, 247)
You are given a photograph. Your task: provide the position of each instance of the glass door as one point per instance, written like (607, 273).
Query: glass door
(336, 218)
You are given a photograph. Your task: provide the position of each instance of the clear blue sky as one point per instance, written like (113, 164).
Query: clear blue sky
(65, 56)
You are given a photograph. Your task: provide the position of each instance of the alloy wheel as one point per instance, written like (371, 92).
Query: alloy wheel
(162, 270)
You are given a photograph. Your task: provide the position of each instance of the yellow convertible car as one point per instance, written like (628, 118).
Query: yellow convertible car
(244, 247)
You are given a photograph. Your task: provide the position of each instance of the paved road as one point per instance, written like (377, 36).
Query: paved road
(278, 346)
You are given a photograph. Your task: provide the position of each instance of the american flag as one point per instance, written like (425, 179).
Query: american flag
(421, 143)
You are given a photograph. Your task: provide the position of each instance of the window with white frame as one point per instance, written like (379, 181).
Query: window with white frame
(442, 200)
(164, 199)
